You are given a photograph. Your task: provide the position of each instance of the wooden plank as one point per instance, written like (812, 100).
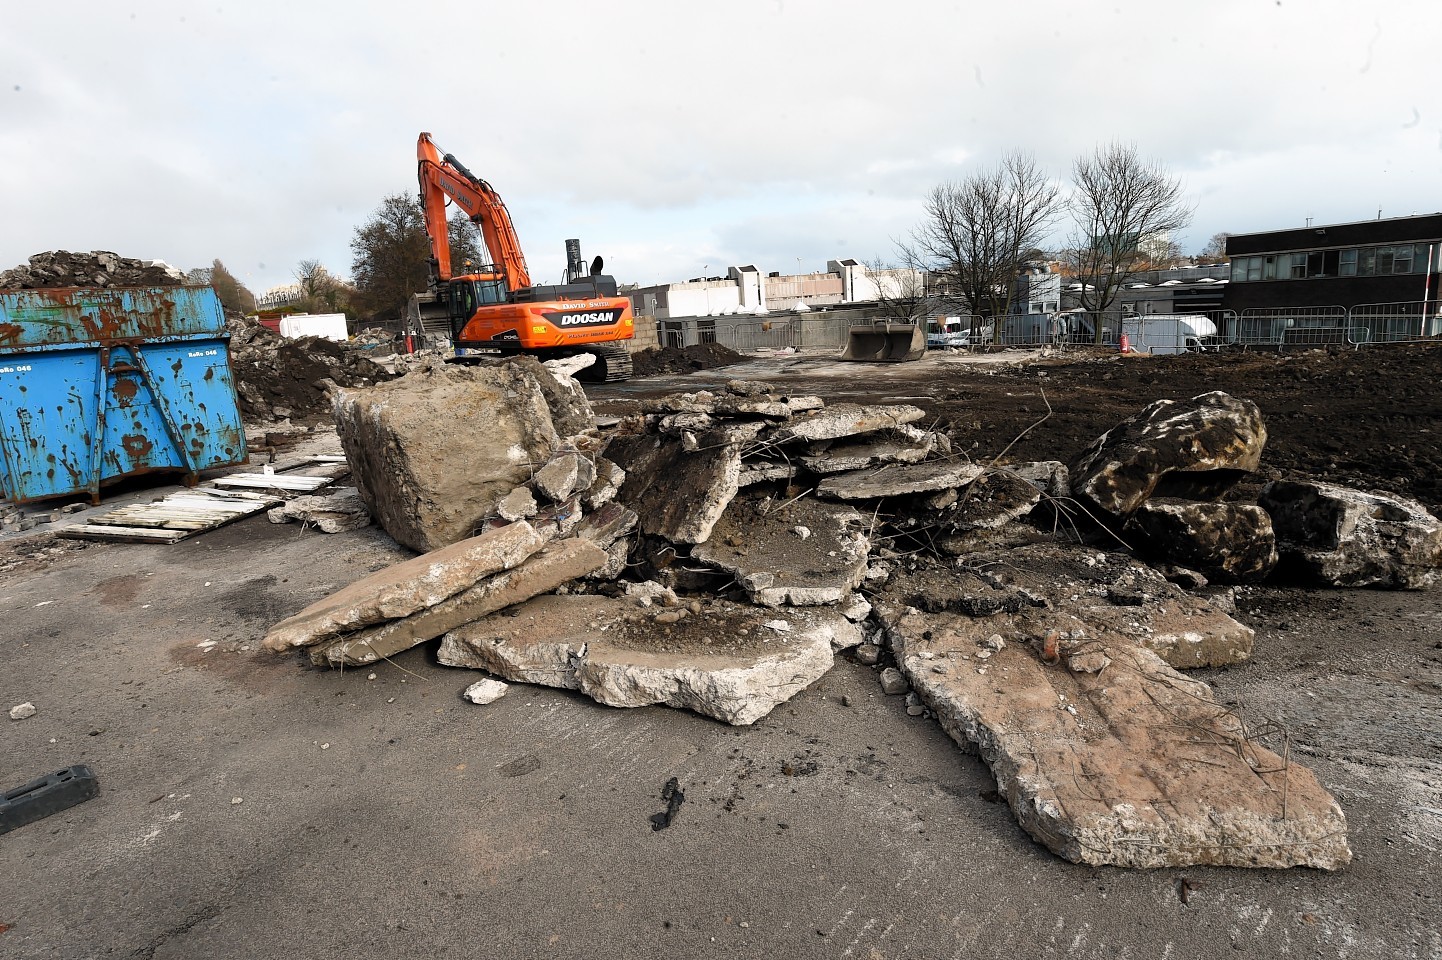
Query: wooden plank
(273, 481)
(122, 534)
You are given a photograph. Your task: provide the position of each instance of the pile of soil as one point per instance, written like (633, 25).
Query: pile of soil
(98, 268)
(278, 378)
(653, 361)
(1359, 417)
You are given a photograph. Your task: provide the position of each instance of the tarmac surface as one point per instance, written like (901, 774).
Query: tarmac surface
(386, 817)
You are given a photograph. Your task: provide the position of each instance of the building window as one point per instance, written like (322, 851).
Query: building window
(1347, 263)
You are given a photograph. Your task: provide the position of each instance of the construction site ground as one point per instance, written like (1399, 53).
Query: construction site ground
(253, 807)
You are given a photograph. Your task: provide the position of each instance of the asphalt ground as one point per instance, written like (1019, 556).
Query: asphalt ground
(386, 817)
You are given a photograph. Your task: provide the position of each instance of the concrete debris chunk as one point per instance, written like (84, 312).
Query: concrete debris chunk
(407, 587)
(678, 494)
(757, 542)
(1193, 449)
(1226, 542)
(335, 512)
(519, 504)
(608, 524)
(1130, 765)
(557, 479)
(847, 419)
(487, 691)
(1051, 477)
(555, 564)
(22, 711)
(718, 663)
(434, 452)
(1049, 589)
(1350, 538)
(898, 480)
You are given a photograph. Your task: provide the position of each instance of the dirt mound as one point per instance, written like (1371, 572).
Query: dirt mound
(98, 268)
(654, 362)
(278, 378)
(1358, 417)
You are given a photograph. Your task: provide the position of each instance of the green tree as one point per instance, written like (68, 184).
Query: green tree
(391, 255)
(466, 244)
(234, 296)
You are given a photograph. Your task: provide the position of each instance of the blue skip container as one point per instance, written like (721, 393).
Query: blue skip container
(99, 384)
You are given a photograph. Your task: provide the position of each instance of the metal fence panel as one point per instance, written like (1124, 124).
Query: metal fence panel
(1405, 322)
(1284, 326)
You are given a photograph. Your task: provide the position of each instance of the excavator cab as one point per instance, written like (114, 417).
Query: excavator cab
(465, 294)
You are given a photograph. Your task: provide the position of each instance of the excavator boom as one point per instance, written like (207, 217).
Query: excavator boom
(497, 309)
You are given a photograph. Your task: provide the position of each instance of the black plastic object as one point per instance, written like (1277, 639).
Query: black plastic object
(50, 794)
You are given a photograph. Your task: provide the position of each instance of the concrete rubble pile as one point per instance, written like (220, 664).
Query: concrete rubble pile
(279, 379)
(98, 268)
(713, 552)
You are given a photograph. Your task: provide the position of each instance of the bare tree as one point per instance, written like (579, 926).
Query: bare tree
(1216, 249)
(1120, 205)
(320, 290)
(978, 231)
(901, 293)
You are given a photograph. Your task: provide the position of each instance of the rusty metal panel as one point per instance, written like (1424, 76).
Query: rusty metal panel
(143, 384)
(69, 315)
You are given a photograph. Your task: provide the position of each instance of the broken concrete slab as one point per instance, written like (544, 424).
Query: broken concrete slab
(847, 419)
(678, 493)
(1121, 761)
(723, 662)
(605, 486)
(770, 407)
(1352, 538)
(896, 480)
(337, 511)
(762, 471)
(1226, 542)
(803, 553)
(407, 587)
(553, 565)
(435, 451)
(1075, 593)
(992, 500)
(902, 445)
(1193, 449)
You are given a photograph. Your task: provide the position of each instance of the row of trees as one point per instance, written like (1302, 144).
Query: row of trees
(979, 233)
(391, 261)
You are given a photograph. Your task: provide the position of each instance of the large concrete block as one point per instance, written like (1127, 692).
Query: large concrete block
(434, 452)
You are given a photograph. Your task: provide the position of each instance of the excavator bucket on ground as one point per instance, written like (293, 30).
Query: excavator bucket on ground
(885, 341)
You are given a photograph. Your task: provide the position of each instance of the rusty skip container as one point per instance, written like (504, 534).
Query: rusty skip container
(98, 384)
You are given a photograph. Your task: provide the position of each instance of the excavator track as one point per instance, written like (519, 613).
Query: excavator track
(614, 357)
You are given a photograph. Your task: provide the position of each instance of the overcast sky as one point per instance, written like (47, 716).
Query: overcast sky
(671, 136)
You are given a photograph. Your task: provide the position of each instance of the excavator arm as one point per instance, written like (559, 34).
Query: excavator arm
(442, 176)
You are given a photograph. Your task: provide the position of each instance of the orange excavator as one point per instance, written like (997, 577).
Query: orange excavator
(494, 308)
